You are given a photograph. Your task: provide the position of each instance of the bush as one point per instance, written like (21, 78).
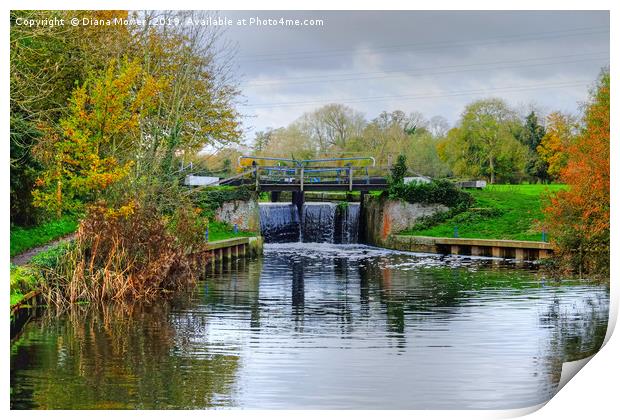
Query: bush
(24, 279)
(434, 192)
(49, 258)
(127, 254)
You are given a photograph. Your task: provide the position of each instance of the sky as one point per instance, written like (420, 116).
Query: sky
(433, 62)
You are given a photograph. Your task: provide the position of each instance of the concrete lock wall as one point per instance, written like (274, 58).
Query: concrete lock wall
(383, 217)
(244, 214)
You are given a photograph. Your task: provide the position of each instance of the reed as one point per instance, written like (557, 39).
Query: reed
(122, 256)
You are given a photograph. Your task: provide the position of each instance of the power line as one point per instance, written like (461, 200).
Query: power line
(434, 45)
(426, 96)
(416, 72)
(606, 53)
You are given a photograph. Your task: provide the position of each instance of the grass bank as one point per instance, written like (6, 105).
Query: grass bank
(499, 212)
(23, 239)
(219, 231)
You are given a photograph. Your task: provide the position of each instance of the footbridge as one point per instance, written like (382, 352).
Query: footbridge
(331, 174)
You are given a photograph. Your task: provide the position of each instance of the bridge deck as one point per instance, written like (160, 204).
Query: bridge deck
(323, 187)
(285, 178)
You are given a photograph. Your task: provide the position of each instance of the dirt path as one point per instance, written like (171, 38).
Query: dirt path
(26, 256)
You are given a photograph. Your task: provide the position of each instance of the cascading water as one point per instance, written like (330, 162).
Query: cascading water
(279, 222)
(319, 222)
(347, 224)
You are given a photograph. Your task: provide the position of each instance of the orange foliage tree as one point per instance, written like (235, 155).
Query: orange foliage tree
(87, 152)
(561, 130)
(578, 218)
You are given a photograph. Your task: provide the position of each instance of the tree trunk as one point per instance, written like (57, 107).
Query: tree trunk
(492, 169)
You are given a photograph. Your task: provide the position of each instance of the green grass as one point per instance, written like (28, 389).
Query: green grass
(219, 231)
(23, 280)
(23, 239)
(500, 212)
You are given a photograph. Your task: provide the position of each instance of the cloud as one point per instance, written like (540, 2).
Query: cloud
(432, 62)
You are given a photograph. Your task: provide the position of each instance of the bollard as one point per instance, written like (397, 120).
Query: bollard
(207, 234)
(456, 231)
(235, 229)
(544, 236)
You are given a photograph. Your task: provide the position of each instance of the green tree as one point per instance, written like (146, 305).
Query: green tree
(484, 143)
(531, 135)
(399, 170)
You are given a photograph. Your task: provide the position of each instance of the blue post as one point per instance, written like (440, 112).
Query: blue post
(235, 229)
(544, 236)
(207, 234)
(456, 231)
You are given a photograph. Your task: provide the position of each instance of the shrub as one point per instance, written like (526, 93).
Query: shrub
(434, 192)
(125, 254)
(50, 257)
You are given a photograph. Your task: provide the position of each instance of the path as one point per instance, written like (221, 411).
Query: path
(26, 256)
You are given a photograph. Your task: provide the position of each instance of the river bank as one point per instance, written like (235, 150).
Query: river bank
(26, 278)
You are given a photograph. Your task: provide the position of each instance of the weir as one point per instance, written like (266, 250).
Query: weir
(319, 222)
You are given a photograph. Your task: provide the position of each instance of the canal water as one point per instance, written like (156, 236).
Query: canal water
(320, 326)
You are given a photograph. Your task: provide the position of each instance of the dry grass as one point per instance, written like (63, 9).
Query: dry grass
(120, 257)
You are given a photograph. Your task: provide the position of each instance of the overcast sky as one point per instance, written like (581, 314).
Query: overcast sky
(431, 62)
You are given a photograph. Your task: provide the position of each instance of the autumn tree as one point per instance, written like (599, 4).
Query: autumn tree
(578, 218)
(90, 148)
(561, 131)
(46, 64)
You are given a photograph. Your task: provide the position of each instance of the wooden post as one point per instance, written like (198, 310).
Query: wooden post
(496, 251)
(454, 249)
(476, 251)
(519, 254)
(543, 253)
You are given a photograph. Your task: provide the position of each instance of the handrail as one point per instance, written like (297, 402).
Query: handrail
(304, 162)
(241, 175)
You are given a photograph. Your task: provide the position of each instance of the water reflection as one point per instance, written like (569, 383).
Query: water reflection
(329, 326)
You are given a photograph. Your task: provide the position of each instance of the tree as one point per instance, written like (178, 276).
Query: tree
(331, 127)
(46, 64)
(578, 218)
(399, 170)
(88, 151)
(531, 135)
(262, 139)
(562, 129)
(484, 143)
(423, 157)
(438, 126)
